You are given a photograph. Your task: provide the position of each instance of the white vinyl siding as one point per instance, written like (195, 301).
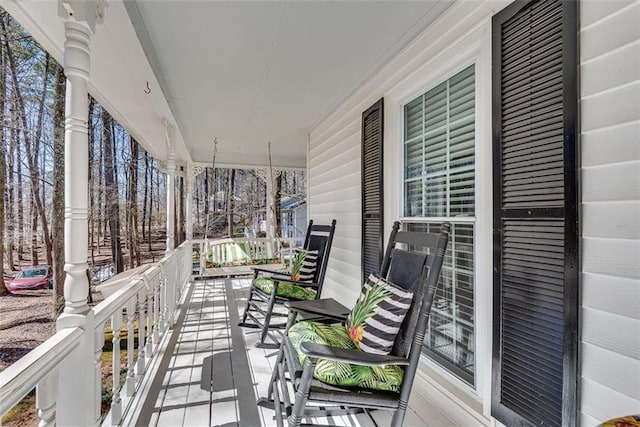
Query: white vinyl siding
(451, 43)
(610, 177)
(610, 161)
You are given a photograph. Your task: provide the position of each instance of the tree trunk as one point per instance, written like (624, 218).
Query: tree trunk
(111, 184)
(57, 216)
(31, 150)
(146, 190)
(3, 289)
(278, 205)
(33, 214)
(134, 254)
(230, 200)
(15, 137)
(91, 183)
(150, 208)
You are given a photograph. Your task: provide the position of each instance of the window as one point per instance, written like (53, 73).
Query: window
(439, 185)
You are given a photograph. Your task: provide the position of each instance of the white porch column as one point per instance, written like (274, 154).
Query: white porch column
(269, 204)
(171, 190)
(76, 403)
(188, 182)
(271, 176)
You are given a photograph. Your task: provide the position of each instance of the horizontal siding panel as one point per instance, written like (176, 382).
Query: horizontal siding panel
(346, 155)
(618, 334)
(336, 290)
(620, 182)
(614, 257)
(611, 145)
(603, 403)
(593, 11)
(613, 107)
(338, 184)
(610, 155)
(615, 31)
(587, 420)
(612, 370)
(349, 193)
(343, 152)
(346, 264)
(348, 132)
(606, 293)
(622, 220)
(621, 67)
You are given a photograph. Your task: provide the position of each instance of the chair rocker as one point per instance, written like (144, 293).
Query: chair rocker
(412, 261)
(271, 289)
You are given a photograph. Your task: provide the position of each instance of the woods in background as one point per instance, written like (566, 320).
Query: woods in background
(32, 90)
(127, 188)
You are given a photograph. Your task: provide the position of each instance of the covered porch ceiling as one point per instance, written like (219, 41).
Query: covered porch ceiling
(244, 72)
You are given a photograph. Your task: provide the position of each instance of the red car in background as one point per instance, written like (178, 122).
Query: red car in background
(29, 278)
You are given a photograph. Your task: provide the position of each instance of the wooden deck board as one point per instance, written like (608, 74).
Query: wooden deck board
(212, 373)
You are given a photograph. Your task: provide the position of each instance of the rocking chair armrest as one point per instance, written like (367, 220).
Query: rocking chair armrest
(325, 307)
(268, 270)
(354, 357)
(282, 278)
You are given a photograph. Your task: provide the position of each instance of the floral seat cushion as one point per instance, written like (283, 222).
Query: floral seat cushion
(387, 378)
(285, 289)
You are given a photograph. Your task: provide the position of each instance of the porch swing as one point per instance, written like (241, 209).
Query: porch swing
(228, 253)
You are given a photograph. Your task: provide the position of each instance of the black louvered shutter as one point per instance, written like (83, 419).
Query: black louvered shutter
(372, 190)
(535, 214)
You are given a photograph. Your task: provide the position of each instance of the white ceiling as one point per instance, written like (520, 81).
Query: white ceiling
(244, 72)
(253, 72)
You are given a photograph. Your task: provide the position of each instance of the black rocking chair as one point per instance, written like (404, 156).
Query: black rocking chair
(412, 260)
(262, 303)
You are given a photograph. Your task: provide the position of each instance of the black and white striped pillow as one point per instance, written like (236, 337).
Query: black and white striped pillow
(308, 269)
(377, 316)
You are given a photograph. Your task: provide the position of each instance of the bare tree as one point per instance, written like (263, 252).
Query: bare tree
(57, 215)
(230, 200)
(132, 209)
(30, 148)
(3, 289)
(111, 184)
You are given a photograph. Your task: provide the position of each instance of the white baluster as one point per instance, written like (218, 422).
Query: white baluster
(46, 400)
(98, 344)
(157, 321)
(131, 380)
(150, 323)
(142, 335)
(116, 403)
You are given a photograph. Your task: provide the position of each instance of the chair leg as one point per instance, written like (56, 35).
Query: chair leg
(290, 320)
(274, 374)
(248, 304)
(302, 393)
(267, 316)
(398, 415)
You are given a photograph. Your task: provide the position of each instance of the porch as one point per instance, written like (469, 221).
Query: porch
(211, 372)
(179, 75)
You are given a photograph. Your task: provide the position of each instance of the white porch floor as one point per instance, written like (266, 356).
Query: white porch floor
(212, 373)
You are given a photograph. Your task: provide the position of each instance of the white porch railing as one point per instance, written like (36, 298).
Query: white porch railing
(149, 299)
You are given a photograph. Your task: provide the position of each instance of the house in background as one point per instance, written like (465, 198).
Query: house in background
(518, 122)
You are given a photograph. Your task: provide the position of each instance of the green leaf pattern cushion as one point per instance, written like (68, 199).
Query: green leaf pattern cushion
(387, 378)
(285, 289)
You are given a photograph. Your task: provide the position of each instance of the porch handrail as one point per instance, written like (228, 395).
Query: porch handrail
(117, 300)
(150, 296)
(22, 376)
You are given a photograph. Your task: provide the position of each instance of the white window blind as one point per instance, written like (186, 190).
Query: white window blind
(439, 175)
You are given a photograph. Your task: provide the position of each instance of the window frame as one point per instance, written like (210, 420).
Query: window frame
(478, 383)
